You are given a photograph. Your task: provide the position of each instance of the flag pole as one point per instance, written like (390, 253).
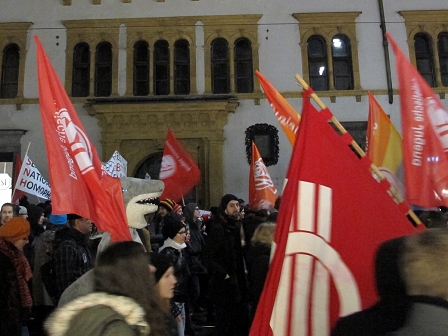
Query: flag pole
(356, 147)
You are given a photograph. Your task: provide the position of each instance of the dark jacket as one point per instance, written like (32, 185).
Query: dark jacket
(257, 261)
(99, 314)
(223, 255)
(71, 259)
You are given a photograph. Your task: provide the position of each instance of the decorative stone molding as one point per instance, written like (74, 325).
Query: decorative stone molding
(138, 128)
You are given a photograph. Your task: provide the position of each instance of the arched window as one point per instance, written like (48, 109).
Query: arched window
(342, 62)
(181, 67)
(81, 70)
(10, 71)
(103, 70)
(424, 57)
(161, 68)
(317, 62)
(220, 66)
(244, 82)
(442, 46)
(141, 68)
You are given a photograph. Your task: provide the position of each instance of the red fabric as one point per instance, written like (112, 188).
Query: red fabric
(78, 181)
(262, 191)
(332, 217)
(17, 193)
(179, 171)
(425, 136)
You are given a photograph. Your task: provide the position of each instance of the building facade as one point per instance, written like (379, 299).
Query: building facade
(136, 68)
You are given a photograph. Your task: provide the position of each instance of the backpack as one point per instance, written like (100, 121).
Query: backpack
(49, 279)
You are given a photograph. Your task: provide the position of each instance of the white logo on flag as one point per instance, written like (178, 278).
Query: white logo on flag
(303, 296)
(168, 167)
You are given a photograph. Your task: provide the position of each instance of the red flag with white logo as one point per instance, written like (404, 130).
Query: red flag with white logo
(79, 183)
(179, 170)
(332, 217)
(262, 191)
(425, 136)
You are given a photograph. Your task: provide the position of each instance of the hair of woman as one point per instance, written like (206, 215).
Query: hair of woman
(264, 233)
(122, 269)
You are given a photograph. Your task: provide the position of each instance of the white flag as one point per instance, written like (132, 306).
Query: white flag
(117, 166)
(31, 181)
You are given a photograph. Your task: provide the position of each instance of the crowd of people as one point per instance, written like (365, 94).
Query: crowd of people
(193, 269)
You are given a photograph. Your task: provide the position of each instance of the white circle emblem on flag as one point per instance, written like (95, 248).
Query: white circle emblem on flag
(168, 167)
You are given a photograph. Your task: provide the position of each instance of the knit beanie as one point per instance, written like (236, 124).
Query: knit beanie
(171, 226)
(177, 207)
(15, 229)
(161, 263)
(58, 219)
(168, 204)
(226, 199)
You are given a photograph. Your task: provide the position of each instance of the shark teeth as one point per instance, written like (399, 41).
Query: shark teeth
(152, 200)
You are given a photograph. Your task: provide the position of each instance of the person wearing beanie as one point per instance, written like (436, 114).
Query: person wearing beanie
(155, 226)
(15, 272)
(224, 258)
(174, 232)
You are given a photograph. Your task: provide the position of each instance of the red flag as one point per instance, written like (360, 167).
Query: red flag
(287, 116)
(179, 171)
(425, 136)
(262, 191)
(79, 183)
(332, 217)
(17, 194)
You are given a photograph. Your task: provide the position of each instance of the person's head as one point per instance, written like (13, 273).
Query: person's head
(178, 209)
(264, 234)
(23, 212)
(35, 215)
(434, 219)
(8, 211)
(173, 228)
(122, 269)
(164, 275)
(166, 206)
(424, 263)
(231, 206)
(83, 225)
(16, 231)
(191, 212)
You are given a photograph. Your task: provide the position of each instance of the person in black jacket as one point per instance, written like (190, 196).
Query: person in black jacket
(223, 254)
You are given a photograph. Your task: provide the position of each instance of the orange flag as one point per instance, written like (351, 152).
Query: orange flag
(384, 144)
(287, 116)
(262, 191)
(79, 183)
(425, 136)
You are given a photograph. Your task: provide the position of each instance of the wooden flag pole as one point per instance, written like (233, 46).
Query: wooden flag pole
(358, 149)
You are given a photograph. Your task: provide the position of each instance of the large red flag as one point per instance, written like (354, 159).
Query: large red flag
(332, 217)
(425, 136)
(79, 183)
(179, 171)
(17, 194)
(287, 116)
(262, 191)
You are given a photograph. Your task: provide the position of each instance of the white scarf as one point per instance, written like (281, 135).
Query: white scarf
(171, 243)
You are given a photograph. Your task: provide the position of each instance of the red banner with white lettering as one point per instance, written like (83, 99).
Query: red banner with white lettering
(425, 136)
(179, 170)
(262, 191)
(79, 183)
(332, 217)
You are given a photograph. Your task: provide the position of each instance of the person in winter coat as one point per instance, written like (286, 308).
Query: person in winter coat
(15, 272)
(124, 303)
(174, 232)
(257, 260)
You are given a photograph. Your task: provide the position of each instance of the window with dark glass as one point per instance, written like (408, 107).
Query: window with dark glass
(317, 63)
(244, 82)
(81, 70)
(220, 66)
(424, 57)
(103, 70)
(10, 71)
(141, 68)
(161, 68)
(181, 67)
(342, 63)
(442, 46)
